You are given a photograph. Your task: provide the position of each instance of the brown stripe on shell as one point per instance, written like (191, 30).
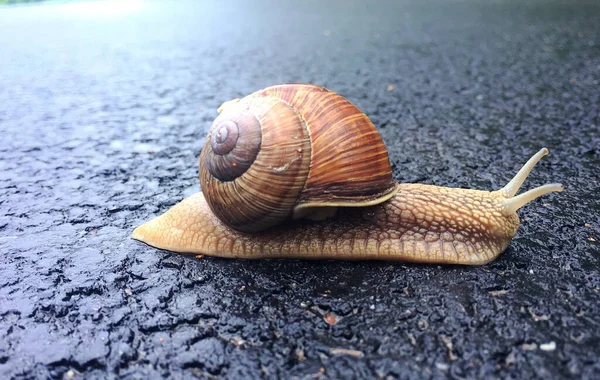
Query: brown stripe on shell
(265, 194)
(349, 162)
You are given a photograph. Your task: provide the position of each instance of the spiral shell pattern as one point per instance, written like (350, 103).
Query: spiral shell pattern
(291, 147)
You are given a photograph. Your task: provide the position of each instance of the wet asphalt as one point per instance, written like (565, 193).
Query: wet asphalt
(104, 109)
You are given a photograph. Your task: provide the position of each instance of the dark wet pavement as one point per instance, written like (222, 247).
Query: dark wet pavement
(103, 111)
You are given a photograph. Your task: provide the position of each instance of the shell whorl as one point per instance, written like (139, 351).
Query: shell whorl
(235, 142)
(263, 193)
(288, 148)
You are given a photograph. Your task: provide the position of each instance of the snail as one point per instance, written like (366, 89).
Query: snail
(298, 171)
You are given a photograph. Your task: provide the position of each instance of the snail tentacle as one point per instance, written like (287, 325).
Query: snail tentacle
(514, 185)
(512, 204)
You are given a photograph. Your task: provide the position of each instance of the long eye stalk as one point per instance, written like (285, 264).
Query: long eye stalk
(512, 204)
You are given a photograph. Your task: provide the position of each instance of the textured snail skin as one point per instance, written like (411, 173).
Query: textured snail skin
(420, 223)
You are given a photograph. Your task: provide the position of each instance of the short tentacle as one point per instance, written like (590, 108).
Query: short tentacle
(513, 204)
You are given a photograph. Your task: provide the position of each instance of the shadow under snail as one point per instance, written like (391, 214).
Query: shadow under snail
(297, 171)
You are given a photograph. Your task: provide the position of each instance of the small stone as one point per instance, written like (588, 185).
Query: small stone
(300, 355)
(442, 366)
(331, 319)
(345, 351)
(551, 346)
(529, 347)
(237, 341)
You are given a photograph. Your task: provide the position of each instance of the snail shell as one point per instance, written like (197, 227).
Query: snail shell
(288, 151)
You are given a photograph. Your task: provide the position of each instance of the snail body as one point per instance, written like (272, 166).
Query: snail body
(297, 171)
